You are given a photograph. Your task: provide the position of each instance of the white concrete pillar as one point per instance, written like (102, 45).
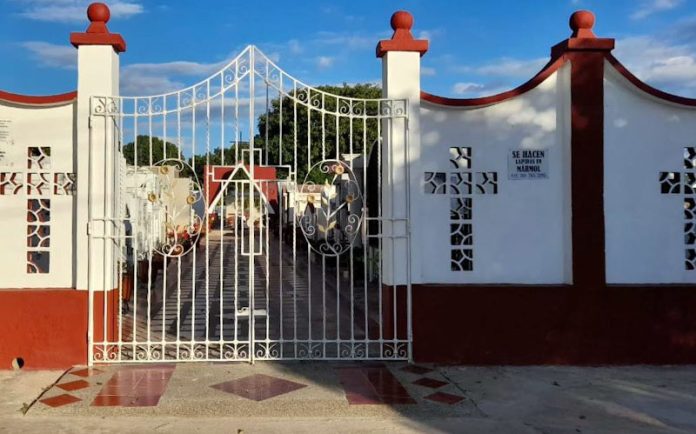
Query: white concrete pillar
(97, 75)
(400, 145)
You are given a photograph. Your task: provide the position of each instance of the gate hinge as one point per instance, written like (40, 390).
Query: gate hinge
(89, 228)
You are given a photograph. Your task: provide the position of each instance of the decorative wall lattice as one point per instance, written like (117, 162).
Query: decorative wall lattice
(38, 182)
(38, 235)
(684, 184)
(11, 183)
(460, 186)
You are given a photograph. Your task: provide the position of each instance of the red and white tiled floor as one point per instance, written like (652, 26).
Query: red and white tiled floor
(263, 388)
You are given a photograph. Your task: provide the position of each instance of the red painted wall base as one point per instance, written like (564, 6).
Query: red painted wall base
(47, 328)
(451, 324)
(518, 325)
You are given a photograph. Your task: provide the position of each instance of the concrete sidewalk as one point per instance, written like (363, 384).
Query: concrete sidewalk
(340, 397)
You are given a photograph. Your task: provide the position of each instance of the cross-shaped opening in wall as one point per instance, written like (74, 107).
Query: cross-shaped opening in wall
(684, 184)
(38, 183)
(461, 185)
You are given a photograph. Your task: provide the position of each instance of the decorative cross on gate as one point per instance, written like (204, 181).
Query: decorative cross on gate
(684, 183)
(463, 183)
(38, 182)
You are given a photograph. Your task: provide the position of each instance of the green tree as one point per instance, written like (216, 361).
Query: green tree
(322, 130)
(150, 151)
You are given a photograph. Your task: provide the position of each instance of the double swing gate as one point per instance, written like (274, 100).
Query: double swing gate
(243, 221)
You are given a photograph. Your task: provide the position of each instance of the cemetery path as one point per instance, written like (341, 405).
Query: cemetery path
(296, 297)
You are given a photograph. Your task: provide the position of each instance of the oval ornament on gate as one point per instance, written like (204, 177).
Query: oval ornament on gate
(329, 206)
(176, 200)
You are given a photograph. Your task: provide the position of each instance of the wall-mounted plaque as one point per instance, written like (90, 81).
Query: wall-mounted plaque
(528, 164)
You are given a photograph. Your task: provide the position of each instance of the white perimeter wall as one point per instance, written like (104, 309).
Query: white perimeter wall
(644, 228)
(40, 126)
(522, 234)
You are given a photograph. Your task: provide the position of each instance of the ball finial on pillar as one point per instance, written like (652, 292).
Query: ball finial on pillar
(98, 15)
(402, 39)
(401, 20)
(97, 33)
(581, 23)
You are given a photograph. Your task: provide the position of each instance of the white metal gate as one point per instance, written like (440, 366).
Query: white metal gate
(246, 223)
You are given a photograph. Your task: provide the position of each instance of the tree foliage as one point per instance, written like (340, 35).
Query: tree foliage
(150, 150)
(323, 131)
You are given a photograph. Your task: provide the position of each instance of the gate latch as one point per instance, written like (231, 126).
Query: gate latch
(244, 312)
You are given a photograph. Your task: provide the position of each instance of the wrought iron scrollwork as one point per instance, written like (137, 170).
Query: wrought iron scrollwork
(330, 207)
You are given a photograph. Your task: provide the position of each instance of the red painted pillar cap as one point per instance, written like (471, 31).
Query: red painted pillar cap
(97, 33)
(402, 39)
(582, 38)
(581, 23)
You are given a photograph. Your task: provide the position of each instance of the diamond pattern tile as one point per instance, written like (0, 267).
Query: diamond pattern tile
(60, 400)
(388, 386)
(74, 385)
(358, 389)
(111, 401)
(415, 369)
(430, 382)
(135, 387)
(258, 387)
(87, 372)
(445, 398)
(373, 386)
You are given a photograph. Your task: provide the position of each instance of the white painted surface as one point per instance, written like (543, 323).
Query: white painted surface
(522, 234)
(37, 126)
(400, 80)
(644, 228)
(97, 75)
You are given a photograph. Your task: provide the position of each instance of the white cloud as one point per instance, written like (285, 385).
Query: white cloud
(666, 65)
(135, 84)
(505, 67)
(474, 90)
(649, 7)
(178, 67)
(352, 41)
(324, 62)
(672, 67)
(429, 34)
(52, 55)
(154, 78)
(71, 11)
(467, 88)
(679, 68)
(294, 46)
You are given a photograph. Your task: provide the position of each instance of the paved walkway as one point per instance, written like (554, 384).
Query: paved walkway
(350, 397)
(322, 305)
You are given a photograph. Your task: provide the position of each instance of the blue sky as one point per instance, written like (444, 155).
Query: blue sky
(476, 48)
